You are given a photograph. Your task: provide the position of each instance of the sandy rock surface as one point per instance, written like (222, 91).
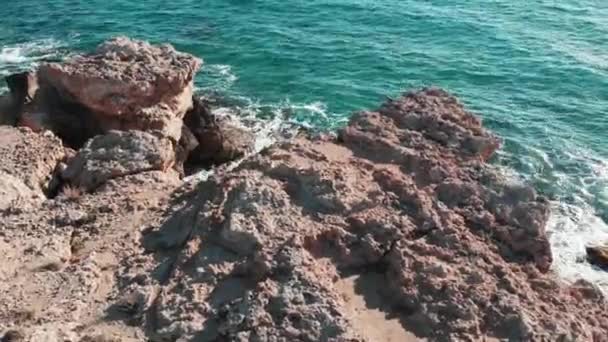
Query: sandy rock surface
(30, 157)
(396, 230)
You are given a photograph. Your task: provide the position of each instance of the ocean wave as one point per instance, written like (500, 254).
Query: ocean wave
(218, 77)
(26, 56)
(571, 228)
(579, 205)
(590, 56)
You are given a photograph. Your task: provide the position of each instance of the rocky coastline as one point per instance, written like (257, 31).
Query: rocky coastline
(395, 228)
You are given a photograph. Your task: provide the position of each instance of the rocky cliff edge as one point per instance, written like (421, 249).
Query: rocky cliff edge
(395, 229)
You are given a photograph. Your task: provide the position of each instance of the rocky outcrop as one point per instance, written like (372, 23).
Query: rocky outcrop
(400, 210)
(127, 84)
(403, 193)
(30, 158)
(598, 256)
(124, 85)
(207, 140)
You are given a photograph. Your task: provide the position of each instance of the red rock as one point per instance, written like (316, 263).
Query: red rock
(399, 193)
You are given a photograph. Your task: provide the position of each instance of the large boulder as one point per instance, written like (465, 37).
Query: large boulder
(125, 84)
(118, 154)
(212, 140)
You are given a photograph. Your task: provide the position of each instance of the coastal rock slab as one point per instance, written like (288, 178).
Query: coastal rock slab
(118, 154)
(397, 217)
(127, 84)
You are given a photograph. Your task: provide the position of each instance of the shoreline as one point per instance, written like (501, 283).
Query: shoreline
(99, 226)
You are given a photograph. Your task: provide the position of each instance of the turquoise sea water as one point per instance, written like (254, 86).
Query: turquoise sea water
(536, 71)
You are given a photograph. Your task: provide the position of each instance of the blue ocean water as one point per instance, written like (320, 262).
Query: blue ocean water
(536, 71)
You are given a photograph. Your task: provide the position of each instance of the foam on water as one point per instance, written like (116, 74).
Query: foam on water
(578, 220)
(218, 77)
(571, 228)
(266, 132)
(25, 56)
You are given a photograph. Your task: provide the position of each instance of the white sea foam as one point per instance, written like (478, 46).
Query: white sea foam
(571, 228)
(226, 71)
(584, 53)
(25, 56)
(30, 52)
(220, 76)
(574, 223)
(315, 108)
(266, 131)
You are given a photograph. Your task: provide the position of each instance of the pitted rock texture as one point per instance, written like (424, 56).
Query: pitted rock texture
(262, 252)
(403, 192)
(125, 84)
(60, 259)
(117, 154)
(13, 190)
(128, 84)
(30, 157)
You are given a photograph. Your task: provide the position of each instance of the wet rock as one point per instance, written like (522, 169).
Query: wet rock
(8, 113)
(598, 256)
(217, 139)
(23, 87)
(118, 154)
(12, 336)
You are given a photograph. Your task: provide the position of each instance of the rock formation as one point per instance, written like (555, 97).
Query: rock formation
(117, 154)
(88, 101)
(400, 210)
(598, 255)
(124, 85)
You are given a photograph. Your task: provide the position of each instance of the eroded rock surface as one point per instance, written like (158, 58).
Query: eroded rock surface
(128, 84)
(118, 154)
(30, 157)
(263, 252)
(404, 192)
(124, 85)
